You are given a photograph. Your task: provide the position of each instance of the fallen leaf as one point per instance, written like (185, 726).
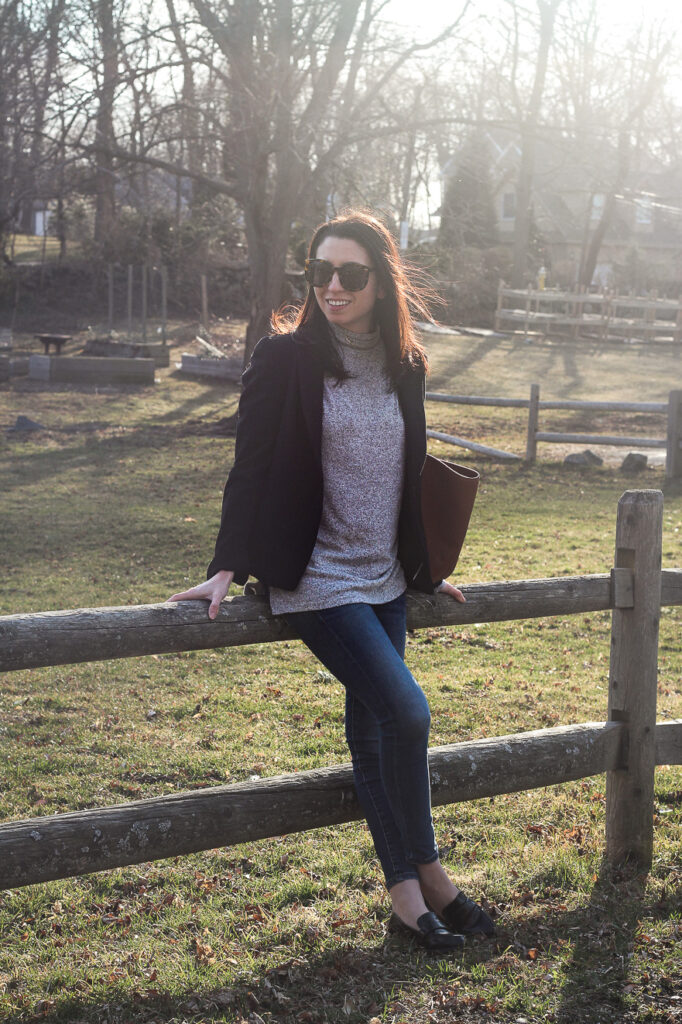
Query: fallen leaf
(203, 953)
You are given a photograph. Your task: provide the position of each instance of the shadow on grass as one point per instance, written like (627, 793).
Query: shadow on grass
(219, 390)
(603, 935)
(573, 377)
(461, 364)
(395, 980)
(41, 464)
(349, 985)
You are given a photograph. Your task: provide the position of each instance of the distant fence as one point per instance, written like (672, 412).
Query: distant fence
(584, 314)
(672, 409)
(628, 745)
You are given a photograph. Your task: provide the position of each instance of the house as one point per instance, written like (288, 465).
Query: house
(642, 246)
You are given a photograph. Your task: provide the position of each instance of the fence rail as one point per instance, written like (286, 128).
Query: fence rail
(627, 746)
(97, 634)
(63, 845)
(552, 403)
(585, 314)
(672, 409)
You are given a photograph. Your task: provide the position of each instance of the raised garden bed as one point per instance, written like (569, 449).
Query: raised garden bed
(155, 350)
(14, 365)
(91, 370)
(229, 368)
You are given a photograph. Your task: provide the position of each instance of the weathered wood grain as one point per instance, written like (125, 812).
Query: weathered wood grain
(673, 457)
(625, 442)
(80, 842)
(558, 403)
(669, 742)
(532, 427)
(473, 446)
(569, 403)
(671, 587)
(633, 679)
(95, 634)
(501, 403)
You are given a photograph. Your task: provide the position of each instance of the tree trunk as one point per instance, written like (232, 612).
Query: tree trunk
(267, 237)
(524, 188)
(43, 91)
(589, 262)
(105, 178)
(189, 111)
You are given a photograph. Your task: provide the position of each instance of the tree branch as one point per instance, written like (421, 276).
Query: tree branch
(219, 185)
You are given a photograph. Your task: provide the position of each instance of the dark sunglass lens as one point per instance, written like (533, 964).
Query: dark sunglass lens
(353, 276)
(318, 272)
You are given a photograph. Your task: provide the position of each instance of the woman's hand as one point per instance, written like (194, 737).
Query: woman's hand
(213, 590)
(447, 588)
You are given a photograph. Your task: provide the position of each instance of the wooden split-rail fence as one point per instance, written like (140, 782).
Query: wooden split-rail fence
(672, 410)
(603, 316)
(627, 745)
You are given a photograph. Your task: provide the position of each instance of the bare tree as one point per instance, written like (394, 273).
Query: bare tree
(528, 112)
(645, 75)
(300, 83)
(42, 84)
(29, 48)
(104, 16)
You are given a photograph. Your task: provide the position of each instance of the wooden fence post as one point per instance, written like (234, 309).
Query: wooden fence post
(531, 439)
(110, 297)
(673, 455)
(130, 300)
(526, 325)
(164, 302)
(498, 310)
(204, 305)
(633, 677)
(144, 301)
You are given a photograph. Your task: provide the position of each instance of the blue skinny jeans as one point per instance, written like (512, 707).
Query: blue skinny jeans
(387, 726)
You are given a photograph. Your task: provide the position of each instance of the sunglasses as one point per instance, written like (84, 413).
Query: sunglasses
(352, 276)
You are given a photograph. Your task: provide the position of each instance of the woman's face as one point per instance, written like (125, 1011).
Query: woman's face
(352, 310)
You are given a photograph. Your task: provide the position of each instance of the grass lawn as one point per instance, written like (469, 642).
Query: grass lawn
(35, 248)
(116, 502)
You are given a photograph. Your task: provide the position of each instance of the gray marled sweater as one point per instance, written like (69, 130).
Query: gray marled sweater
(363, 459)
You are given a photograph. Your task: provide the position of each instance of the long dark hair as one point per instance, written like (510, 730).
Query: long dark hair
(406, 296)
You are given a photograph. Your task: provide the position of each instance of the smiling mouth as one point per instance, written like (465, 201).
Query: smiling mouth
(338, 303)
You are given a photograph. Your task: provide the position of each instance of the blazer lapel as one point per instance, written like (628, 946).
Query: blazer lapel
(412, 405)
(310, 385)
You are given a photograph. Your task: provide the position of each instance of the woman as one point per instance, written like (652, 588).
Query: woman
(323, 506)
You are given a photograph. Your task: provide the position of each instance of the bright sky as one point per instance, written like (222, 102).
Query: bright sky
(427, 15)
(621, 19)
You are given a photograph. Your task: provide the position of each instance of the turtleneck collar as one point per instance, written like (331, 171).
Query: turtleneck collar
(350, 339)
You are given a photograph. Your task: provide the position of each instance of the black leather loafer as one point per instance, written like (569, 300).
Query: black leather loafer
(466, 917)
(430, 932)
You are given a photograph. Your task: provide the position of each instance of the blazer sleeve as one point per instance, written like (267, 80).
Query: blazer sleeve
(258, 420)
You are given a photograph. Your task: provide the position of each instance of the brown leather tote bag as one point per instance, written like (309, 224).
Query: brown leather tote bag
(448, 492)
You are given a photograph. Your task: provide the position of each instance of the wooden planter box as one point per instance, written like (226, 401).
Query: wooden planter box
(155, 350)
(13, 365)
(206, 366)
(91, 370)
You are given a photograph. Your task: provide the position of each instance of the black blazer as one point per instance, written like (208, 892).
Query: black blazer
(272, 503)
